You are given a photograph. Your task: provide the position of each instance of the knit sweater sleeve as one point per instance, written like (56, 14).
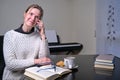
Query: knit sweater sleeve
(44, 50)
(11, 61)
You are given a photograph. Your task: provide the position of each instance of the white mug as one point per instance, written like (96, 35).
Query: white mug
(69, 62)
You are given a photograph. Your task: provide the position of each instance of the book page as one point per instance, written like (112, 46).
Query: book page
(36, 73)
(59, 70)
(105, 58)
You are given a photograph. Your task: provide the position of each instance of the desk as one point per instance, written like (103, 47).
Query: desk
(85, 71)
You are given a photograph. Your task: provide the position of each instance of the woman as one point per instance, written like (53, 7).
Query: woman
(25, 47)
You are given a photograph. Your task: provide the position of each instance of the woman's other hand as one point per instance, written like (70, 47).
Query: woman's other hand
(42, 29)
(42, 61)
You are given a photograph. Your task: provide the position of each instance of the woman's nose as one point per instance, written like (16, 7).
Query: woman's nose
(33, 18)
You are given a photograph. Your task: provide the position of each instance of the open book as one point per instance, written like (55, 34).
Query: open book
(45, 72)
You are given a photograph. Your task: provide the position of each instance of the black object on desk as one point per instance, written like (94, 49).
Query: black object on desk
(61, 47)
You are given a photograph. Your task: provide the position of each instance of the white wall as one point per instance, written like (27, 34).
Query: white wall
(84, 24)
(74, 20)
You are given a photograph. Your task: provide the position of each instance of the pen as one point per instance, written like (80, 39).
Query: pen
(54, 66)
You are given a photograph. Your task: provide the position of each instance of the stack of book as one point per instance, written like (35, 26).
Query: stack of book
(104, 64)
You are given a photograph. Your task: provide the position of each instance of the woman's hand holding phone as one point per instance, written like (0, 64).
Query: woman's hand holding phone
(41, 29)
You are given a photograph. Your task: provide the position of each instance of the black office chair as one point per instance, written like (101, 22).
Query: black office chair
(2, 63)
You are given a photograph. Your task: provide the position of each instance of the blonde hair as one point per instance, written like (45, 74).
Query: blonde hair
(36, 6)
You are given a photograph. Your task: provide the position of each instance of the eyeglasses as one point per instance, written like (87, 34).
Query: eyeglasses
(53, 66)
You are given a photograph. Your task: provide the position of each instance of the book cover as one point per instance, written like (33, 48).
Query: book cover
(104, 63)
(45, 72)
(103, 66)
(105, 58)
(103, 69)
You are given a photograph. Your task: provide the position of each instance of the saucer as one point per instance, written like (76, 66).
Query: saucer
(75, 67)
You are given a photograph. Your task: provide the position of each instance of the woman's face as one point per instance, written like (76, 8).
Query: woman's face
(31, 17)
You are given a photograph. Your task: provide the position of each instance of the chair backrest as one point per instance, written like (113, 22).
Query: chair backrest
(2, 63)
(1, 47)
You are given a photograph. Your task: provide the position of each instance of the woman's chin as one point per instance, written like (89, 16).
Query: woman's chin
(30, 25)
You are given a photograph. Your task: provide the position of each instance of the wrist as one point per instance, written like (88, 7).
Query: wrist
(37, 61)
(43, 37)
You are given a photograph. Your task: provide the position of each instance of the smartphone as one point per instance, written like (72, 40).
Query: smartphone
(37, 27)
